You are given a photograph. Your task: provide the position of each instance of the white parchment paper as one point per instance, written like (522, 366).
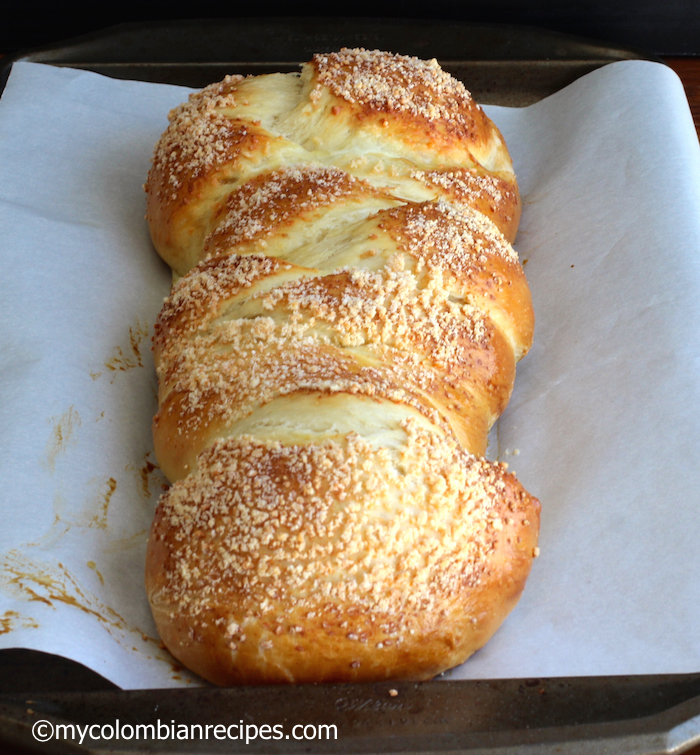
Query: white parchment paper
(604, 424)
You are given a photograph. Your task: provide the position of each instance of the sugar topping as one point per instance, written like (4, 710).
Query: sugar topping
(195, 299)
(389, 306)
(193, 145)
(203, 133)
(270, 202)
(311, 527)
(303, 335)
(469, 185)
(249, 362)
(453, 237)
(396, 83)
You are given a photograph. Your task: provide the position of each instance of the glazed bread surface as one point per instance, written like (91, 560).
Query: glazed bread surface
(343, 329)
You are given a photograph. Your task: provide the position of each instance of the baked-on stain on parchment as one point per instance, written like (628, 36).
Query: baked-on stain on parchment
(148, 476)
(62, 434)
(92, 565)
(99, 518)
(51, 585)
(128, 357)
(94, 516)
(10, 619)
(35, 582)
(147, 480)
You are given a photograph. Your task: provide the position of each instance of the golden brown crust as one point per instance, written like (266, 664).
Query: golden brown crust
(402, 99)
(282, 203)
(341, 112)
(342, 339)
(337, 561)
(493, 195)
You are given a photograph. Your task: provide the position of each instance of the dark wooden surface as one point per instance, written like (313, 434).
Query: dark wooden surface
(689, 71)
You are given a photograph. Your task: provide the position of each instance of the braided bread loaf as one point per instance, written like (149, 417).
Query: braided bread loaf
(342, 333)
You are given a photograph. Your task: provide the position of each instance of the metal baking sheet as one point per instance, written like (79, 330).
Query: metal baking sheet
(647, 715)
(504, 65)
